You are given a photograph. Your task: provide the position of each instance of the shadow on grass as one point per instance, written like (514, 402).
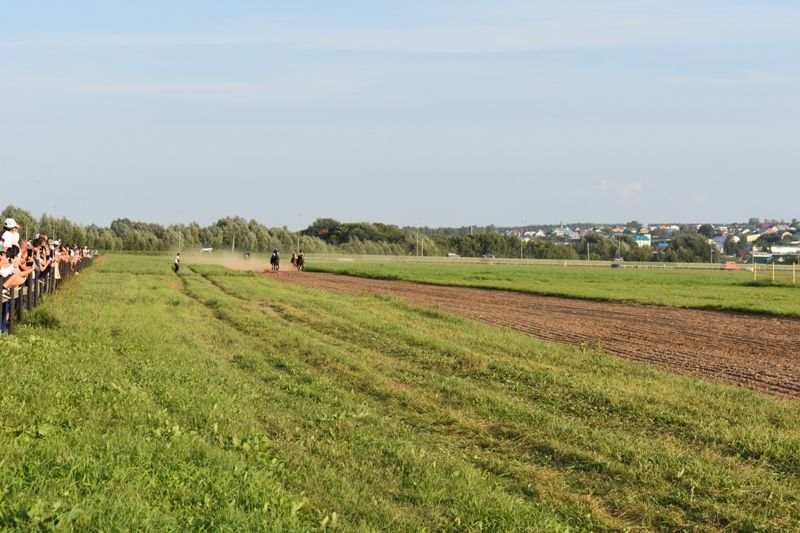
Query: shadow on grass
(768, 283)
(42, 318)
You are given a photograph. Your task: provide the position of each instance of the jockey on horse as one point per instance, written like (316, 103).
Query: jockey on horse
(275, 260)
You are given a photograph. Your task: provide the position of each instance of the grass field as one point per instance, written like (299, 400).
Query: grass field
(698, 289)
(222, 400)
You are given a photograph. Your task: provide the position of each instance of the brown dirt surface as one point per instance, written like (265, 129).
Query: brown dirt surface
(753, 351)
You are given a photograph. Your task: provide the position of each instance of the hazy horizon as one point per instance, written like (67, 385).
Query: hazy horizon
(533, 224)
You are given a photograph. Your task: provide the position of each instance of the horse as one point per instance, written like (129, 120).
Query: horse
(275, 261)
(300, 262)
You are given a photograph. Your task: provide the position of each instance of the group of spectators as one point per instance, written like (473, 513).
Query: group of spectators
(21, 259)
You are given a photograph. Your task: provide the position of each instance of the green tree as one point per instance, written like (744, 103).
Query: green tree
(28, 226)
(634, 224)
(639, 253)
(323, 228)
(706, 230)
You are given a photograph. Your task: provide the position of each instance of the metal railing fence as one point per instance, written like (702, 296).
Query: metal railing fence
(28, 296)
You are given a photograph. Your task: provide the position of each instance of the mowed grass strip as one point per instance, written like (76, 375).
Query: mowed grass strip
(138, 407)
(119, 415)
(696, 289)
(607, 438)
(224, 400)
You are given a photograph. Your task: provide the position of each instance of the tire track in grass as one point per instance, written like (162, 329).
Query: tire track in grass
(401, 332)
(571, 460)
(367, 380)
(400, 404)
(304, 347)
(742, 349)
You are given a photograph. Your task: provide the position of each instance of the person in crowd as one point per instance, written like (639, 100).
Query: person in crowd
(10, 233)
(22, 267)
(22, 261)
(6, 271)
(7, 266)
(58, 258)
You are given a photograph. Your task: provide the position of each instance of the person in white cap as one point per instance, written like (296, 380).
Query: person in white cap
(10, 233)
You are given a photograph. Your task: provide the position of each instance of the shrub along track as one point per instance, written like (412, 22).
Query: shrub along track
(753, 351)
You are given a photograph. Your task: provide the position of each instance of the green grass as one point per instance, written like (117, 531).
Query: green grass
(698, 289)
(220, 400)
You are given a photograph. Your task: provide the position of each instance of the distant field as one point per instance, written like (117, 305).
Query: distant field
(699, 289)
(222, 400)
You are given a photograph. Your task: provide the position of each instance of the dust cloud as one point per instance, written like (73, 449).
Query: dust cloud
(256, 263)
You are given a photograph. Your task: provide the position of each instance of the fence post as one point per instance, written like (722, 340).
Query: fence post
(18, 303)
(29, 283)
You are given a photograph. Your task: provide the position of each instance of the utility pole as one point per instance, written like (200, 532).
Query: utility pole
(587, 251)
(420, 244)
(233, 243)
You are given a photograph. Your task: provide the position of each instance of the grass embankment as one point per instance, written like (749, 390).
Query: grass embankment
(697, 289)
(224, 400)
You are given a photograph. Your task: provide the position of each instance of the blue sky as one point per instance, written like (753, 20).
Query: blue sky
(437, 113)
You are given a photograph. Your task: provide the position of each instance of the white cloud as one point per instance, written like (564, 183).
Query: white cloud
(298, 87)
(624, 191)
(697, 198)
(130, 87)
(529, 33)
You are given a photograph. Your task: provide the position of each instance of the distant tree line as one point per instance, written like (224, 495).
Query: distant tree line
(327, 235)
(684, 246)
(125, 234)
(470, 241)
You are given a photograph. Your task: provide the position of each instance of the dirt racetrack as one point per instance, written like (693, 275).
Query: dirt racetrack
(758, 352)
